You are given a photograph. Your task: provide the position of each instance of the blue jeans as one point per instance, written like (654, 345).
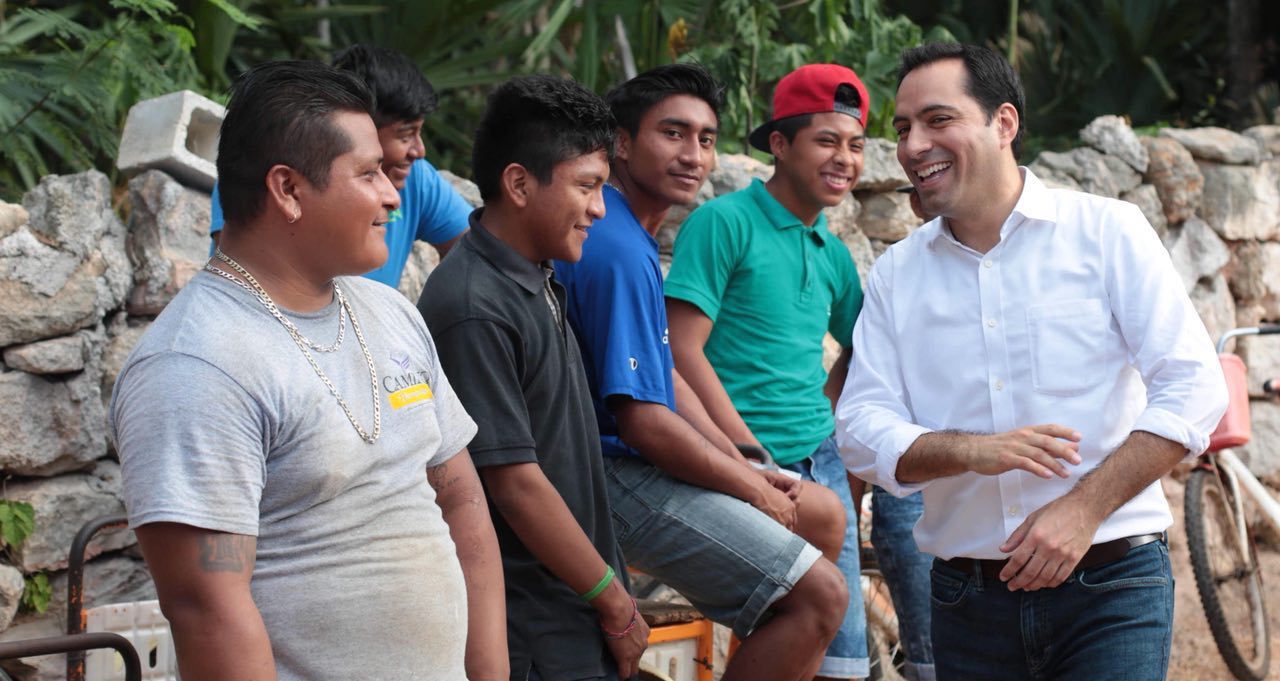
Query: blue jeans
(1111, 622)
(847, 655)
(906, 571)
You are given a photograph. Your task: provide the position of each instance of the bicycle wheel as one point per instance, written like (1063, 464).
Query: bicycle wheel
(1227, 575)
(883, 646)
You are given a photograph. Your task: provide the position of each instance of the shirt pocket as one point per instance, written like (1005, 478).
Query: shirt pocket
(1067, 341)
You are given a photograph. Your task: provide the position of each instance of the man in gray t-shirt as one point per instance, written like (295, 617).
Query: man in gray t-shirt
(276, 463)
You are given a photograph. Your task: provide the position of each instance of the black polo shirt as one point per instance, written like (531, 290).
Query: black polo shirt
(498, 326)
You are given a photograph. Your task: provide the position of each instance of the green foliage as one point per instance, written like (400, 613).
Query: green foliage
(17, 522)
(1155, 61)
(750, 46)
(37, 593)
(68, 77)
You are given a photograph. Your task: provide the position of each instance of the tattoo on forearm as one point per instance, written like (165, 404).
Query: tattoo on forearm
(225, 552)
(440, 480)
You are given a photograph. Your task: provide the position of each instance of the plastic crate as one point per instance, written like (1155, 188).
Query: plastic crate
(146, 628)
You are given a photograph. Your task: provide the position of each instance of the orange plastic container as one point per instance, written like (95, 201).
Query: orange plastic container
(1235, 427)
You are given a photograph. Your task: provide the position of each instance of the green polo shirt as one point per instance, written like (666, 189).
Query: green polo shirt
(772, 287)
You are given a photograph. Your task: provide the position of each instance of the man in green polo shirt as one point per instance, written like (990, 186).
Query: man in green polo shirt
(758, 279)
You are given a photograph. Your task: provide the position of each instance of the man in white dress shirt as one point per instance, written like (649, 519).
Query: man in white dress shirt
(1030, 360)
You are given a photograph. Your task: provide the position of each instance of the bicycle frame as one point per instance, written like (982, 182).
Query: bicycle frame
(1236, 473)
(1242, 478)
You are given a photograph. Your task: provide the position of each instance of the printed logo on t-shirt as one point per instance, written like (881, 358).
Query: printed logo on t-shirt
(634, 364)
(665, 333)
(395, 215)
(408, 387)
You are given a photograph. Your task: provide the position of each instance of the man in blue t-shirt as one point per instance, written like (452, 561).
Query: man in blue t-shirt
(688, 508)
(430, 209)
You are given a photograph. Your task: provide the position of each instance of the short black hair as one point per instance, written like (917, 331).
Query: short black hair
(401, 92)
(992, 80)
(789, 126)
(631, 100)
(538, 121)
(281, 113)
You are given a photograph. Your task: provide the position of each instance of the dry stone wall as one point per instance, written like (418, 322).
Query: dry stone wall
(79, 285)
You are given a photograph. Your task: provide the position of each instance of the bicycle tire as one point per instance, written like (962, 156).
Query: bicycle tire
(1230, 587)
(883, 646)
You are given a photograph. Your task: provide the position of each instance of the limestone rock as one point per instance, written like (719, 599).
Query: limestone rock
(735, 171)
(881, 171)
(845, 216)
(63, 504)
(168, 239)
(878, 248)
(11, 586)
(1242, 202)
(1255, 278)
(1196, 251)
(12, 216)
(1262, 453)
(863, 251)
(1213, 302)
(1147, 198)
(1176, 177)
(666, 235)
(465, 188)
(1112, 136)
(423, 258)
(1218, 145)
(887, 216)
(122, 334)
(1267, 137)
(830, 351)
(72, 212)
(50, 425)
(55, 356)
(67, 267)
(45, 668)
(1090, 170)
(113, 578)
(1262, 355)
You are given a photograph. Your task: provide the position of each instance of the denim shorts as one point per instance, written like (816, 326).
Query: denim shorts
(1113, 622)
(847, 655)
(730, 560)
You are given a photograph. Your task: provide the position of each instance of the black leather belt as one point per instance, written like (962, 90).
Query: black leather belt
(1097, 555)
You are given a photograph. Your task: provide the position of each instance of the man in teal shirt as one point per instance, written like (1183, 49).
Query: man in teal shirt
(757, 279)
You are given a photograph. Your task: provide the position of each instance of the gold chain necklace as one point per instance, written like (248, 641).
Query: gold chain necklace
(250, 284)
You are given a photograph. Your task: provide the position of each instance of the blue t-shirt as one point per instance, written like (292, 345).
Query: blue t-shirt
(616, 308)
(430, 210)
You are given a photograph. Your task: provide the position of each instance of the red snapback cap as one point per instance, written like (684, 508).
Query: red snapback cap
(812, 89)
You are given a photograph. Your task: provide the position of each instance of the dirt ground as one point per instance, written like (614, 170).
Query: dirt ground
(1195, 657)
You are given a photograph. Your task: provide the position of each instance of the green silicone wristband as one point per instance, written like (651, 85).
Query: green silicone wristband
(599, 588)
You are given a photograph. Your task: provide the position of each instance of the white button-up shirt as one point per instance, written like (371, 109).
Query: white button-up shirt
(1075, 317)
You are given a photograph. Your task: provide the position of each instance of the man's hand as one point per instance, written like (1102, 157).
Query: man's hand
(617, 610)
(1039, 450)
(1049, 544)
(775, 503)
(784, 483)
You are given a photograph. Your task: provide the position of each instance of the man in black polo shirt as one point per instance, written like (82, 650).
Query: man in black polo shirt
(541, 158)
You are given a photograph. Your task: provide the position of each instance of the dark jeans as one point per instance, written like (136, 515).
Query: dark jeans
(1111, 622)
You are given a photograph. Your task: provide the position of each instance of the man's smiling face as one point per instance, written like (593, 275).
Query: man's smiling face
(947, 144)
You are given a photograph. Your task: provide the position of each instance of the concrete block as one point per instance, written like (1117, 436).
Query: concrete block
(176, 133)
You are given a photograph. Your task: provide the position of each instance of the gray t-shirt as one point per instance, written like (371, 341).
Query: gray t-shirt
(221, 423)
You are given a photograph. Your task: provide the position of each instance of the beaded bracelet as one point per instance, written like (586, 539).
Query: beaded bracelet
(599, 588)
(635, 617)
